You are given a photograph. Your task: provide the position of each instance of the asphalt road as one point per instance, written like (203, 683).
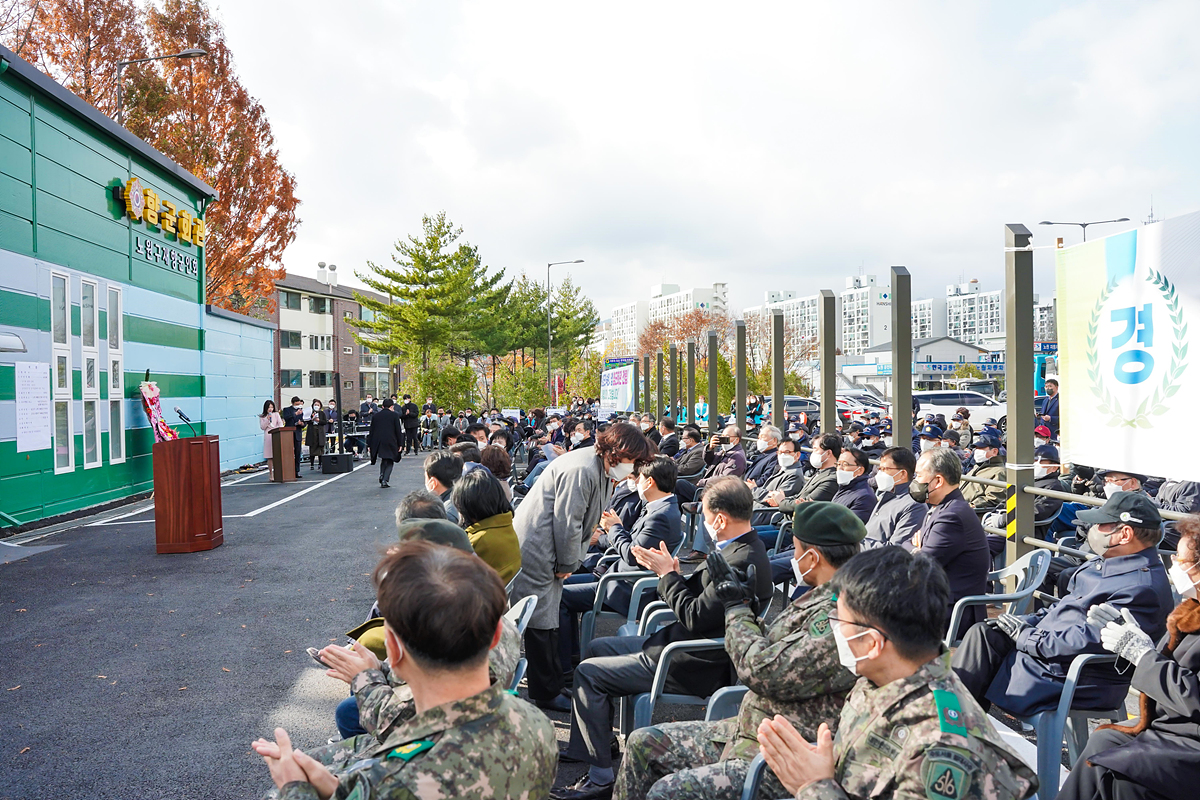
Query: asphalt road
(126, 674)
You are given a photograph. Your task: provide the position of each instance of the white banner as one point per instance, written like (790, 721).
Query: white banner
(33, 406)
(1127, 381)
(616, 388)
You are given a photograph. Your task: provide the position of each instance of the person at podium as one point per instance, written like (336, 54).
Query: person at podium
(293, 417)
(268, 421)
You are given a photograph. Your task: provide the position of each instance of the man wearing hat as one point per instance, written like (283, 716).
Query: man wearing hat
(928, 437)
(1020, 662)
(989, 465)
(1046, 466)
(1042, 435)
(791, 668)
(871, 442)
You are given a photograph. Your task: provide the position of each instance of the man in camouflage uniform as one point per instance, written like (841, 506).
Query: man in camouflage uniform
(791, 670)
(909, 729)
(468, 737)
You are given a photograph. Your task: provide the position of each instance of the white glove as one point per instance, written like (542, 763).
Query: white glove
(1126, 639)
(1100, 615)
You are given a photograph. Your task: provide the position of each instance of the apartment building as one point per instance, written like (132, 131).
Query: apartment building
(866, 311)
(972, 315)
(929, 318)
(627, 323)
(801, 320)
(1045, 321)
(316, 340)
(668, 301)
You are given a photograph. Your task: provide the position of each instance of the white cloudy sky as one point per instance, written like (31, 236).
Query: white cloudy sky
(768, 145)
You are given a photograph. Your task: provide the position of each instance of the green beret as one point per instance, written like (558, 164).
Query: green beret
(438, 531)
(821, 523)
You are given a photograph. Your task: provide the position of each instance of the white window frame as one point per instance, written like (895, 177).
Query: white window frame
(62, 395)
(116, 377)
(90, 354)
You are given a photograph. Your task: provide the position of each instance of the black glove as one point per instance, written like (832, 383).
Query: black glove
(732, 588)
(1011, 625)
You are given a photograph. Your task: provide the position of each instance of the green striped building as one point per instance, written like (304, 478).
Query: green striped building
(93, 293)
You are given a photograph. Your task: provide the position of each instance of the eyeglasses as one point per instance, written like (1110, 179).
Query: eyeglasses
(838, 621)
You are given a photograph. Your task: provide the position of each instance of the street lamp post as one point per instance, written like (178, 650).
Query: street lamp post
(549, 368)
(1084, 225)
(191, 52)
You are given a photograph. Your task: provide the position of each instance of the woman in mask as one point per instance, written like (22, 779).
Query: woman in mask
(268, 421)
(554, 523)
(314, 435)
(1158, 754)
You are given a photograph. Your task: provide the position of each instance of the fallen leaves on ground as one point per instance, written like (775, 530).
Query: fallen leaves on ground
(23, 751)
(14, 688)
(226, 669)
(181, 688)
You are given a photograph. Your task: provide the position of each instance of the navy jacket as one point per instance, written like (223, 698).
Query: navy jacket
(658, 524)
(1032, 676)
(953, 536)
(294, 419)
(669, 444)
(857, 496)
(1050, 409)
(894, 520)
(763, 467)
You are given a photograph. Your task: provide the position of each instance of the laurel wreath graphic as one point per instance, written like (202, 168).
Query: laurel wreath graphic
(1154, 405)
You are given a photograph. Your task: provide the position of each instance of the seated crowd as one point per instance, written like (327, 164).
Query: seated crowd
(851, 689)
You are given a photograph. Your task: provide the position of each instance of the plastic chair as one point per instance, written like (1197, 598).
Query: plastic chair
(508, 588)
(725, 703)
(1030, 569)
(518, 674)
(521, 612)
(587, 623)
(754, 777)
(1053, 724)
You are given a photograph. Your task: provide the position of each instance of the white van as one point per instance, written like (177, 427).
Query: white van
(947, 401)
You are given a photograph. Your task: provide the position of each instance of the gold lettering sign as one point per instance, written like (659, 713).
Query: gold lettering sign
(142, 204)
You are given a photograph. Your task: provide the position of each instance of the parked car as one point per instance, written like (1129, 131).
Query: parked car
(947, 401)
(795, 409)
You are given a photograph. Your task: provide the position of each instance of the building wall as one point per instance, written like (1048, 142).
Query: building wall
(239, 375)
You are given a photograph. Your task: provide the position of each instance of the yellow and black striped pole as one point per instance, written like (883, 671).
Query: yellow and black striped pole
(1010, 511)
(1018, 379)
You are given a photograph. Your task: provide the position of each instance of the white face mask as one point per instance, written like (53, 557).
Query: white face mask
(885, 481)
(576, 438)
(981, 456)
(641, 492)
(927, 444)
(1098, 540)
(1039, 441)
(887, 441)
(621, 471)
(713, 530)
(947, 444)
(786, 460)
(844, 476)
(763, 445)
(846, 657)
(815, 458)
(551, 426)
(1112, 488)
(645, 426)
(1041, 472)
(1180, 579)
(795, 437)
(872, 442)
(796, 568)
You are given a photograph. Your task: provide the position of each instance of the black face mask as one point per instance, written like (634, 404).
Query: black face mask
(918, 491)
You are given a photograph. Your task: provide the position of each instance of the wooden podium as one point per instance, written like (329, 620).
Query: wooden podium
(283, 454)
(187, 495)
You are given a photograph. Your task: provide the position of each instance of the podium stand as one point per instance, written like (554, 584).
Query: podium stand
(283, 454)
(187, 495)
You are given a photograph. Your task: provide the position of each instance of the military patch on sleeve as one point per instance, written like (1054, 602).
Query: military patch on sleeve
(820, 625)
(950, 716)
(410, 751)
(946, 774)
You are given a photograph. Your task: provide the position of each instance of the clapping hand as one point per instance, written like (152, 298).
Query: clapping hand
(772, 499)
(288, 765)
(1125, 637)
(346, 662)
(659, 561)
(1100, 615)
(794, 761)
(731, 588)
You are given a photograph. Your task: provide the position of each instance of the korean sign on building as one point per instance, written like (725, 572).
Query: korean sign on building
(142, 204)
(1124, 359)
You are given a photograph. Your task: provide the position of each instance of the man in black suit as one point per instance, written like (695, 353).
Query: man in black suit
(952, 534)
(410, 420)
(367, 409)
(384, 440)
(657, 523)
(668, 442)
(293, 417)
(618, 666)
(690, 457)
(1050, 409)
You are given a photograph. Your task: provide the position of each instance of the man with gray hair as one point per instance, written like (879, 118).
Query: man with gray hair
(952, 534)
(766, 463)
(420, 504)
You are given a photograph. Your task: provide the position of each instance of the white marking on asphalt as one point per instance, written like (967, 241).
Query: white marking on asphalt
(300, 493)
(134, 513)
(239, 480)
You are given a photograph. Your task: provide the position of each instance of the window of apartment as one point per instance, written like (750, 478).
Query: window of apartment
(290, 378)
(320, 305)
(60, 328)
(317, 378)
(320, 342)
(348, 315)
(289, 340)
(116, 379)
(289, 300)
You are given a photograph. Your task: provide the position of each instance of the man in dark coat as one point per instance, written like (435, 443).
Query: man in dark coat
(618, 666)
(1021, 663)
(690, 456)
(896, 517)
(668, 442)
(293, 417)
(410, 420)
(1050, 409)
(853, 471)
(384, 440)
(952, 534)
(766, 462)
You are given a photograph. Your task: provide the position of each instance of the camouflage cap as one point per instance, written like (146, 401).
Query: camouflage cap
(823, 523)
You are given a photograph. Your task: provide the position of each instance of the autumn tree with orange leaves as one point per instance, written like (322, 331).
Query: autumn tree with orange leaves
(195, 111)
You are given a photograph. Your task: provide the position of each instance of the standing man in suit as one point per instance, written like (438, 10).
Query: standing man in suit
(293, 417)
(368, 409)
(1050, 409)
(658, 523)
(384, 440)
(951, 533)
(618, 666)
(410, 420)
(668, 442)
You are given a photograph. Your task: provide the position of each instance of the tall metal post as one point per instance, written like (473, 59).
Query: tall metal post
(646, 384)
(778, 412)
(827, 354)
(901, 354)
(1018, 380)
(739, 399)
(658, 389)
(674, 412)
(691, 381)
(712, 383)
(636, 405)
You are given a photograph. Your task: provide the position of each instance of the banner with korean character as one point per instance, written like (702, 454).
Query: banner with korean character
(1125, 304)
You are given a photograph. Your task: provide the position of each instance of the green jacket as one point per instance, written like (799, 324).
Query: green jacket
(980, 495)
(495, 541)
